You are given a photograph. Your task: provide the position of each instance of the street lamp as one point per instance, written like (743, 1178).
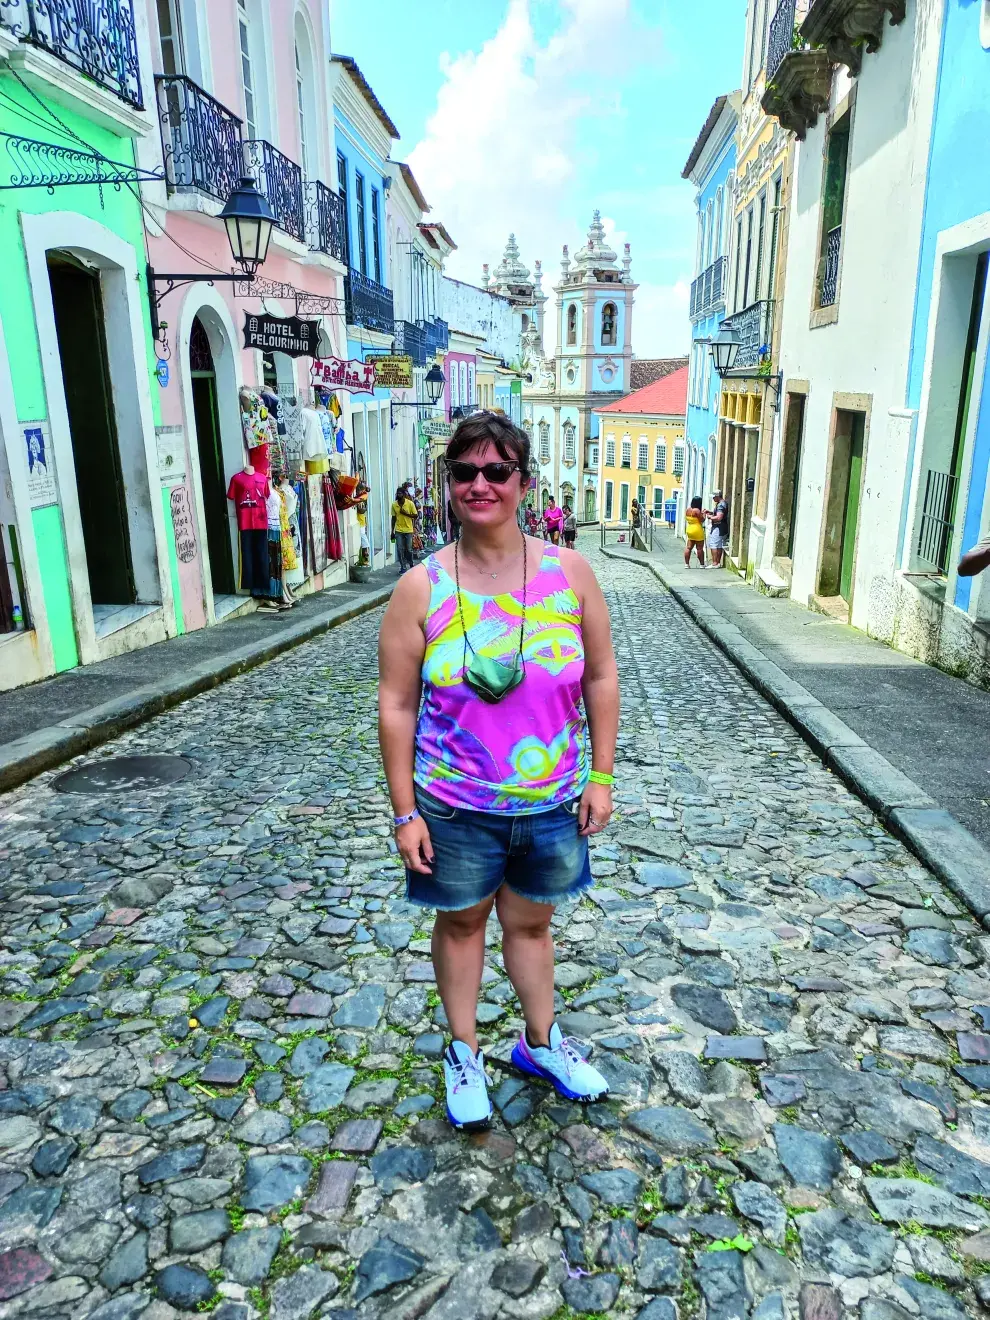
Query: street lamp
(248, 219)
(724, 350)
(434, 383)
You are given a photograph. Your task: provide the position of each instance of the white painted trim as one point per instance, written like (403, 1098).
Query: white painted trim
(68, 231)
(200, 297)
(10, 439)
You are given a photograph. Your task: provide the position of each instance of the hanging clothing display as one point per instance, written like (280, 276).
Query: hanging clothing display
(255, 575)
(248, 491)
(290, 414)
(273, 403)
(291, 547)
(335, 545)
(302, 518)
(255, 419)
(314, 448)
(317, 524)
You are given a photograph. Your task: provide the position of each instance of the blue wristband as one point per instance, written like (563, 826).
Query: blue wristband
(404, 820)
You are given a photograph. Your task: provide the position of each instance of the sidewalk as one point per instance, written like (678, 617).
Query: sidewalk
(911, 740)
(47, 723)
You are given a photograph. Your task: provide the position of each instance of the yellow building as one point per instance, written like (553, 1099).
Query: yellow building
(641, 448)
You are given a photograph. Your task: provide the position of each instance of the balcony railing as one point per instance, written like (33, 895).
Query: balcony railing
(280, 179)
(368, 303)
(706, 290)
(754, 327)
(830, 272)
(420, 339)
(935, 531)
(96, 37)
(201, 139)
(437, 336)
(781, 38)
(324, 219)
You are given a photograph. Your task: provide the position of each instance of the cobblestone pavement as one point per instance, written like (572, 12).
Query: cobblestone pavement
(219, 1083)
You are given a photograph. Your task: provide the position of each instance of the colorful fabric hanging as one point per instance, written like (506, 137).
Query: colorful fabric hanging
(335, 547)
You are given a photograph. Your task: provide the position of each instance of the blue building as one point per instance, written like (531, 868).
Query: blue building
(946, 505)
(363, 136)
(711, 168)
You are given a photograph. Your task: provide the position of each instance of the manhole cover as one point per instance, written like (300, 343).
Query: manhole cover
(123, 774)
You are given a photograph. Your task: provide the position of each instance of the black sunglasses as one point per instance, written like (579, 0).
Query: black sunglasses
(496, 474)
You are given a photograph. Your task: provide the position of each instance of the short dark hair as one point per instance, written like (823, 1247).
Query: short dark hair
(511, 443)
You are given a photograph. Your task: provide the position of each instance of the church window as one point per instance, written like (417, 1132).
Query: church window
(678, 460)
(525, 323)
(544, 442)
(572, 324)
(642, 459)
(661, 463)
(610, 451)
(608, 324)
(626, 452)
(570, 448)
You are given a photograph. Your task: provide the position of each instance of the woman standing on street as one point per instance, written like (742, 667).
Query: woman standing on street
(490, 653)
(694, 532)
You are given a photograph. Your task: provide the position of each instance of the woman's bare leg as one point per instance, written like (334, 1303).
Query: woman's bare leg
(527, 951)
(458, 948)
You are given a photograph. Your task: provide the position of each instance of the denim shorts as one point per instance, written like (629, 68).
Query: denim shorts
(540, 856)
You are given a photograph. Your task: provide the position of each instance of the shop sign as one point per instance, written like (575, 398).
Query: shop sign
(282, 334)
(182, 525)
(162, 372)
(392, 371)
(42, 488)
(351, 374)
(171, 443)
(436, 428)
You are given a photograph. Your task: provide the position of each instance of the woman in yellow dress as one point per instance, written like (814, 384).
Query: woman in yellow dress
(694, 530)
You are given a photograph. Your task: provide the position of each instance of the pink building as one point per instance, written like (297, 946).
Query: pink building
(243, 86)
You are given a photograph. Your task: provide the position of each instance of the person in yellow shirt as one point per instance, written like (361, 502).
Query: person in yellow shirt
(404, 515)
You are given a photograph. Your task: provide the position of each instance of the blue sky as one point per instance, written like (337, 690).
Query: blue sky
(527, 114)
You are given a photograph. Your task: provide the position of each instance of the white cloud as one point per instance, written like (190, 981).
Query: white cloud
(503, 151)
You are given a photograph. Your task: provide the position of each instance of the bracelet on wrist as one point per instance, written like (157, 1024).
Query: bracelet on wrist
(600, 777)
(404, 820)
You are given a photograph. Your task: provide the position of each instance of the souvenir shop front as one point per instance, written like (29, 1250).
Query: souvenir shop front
(256, 460)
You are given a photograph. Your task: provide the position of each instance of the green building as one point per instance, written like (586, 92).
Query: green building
(88, 567)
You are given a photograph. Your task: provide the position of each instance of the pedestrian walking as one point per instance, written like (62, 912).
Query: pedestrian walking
(532, 522)
(404, 515)
(553, 518)
(718, 538)
(694, 532)
(570, 526)
(498, 714)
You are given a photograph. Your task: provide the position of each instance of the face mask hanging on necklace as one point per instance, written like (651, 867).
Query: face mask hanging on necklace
(491, 679)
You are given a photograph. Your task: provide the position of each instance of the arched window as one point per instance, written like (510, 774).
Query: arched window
(717, 245)
(306, 110)
(525, 322)
(610, 451)
(608, 323)
(465, 397)
(710, 228)
(544, 442)
(454, 386)
(570, 446)
(572, 324)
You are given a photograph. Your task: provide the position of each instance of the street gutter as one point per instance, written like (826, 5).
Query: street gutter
(46, 748)
(954, 855)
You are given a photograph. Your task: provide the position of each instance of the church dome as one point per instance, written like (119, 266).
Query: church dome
(596, 255)
(510, 270)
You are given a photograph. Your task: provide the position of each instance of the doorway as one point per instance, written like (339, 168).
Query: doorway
(589, 505)
(837, 572)
(77, 302)
(206, 414)
(790, 476)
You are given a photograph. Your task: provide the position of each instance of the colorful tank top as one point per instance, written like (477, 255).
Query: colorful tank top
(528, 752)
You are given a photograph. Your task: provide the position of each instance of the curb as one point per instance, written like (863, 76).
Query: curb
(46, 748)
(935, 837)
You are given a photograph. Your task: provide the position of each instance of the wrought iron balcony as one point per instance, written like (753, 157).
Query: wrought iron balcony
(280, 179)
(95, 37)
(437, 336)
(753, 327)
(324, 219)
(201, 139)
(410, 337)
(706, 290)
(830, 271)
(781, 38)
(936, 527)
(368, 303)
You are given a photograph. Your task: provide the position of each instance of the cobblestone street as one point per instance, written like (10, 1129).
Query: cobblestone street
(219, 1072)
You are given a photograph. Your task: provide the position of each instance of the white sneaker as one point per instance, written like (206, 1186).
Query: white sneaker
(468, 1105)
(561, 1065)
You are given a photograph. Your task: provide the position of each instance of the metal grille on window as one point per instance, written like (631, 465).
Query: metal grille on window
(544, 442)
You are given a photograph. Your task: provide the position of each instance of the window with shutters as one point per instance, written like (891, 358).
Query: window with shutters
(678, 460)
(642, 459)
(626, 452)
(658, 502)
(610, 451)
(609, 492)
(570, 446)
(544, 442)
(661, 463)
(593, 456)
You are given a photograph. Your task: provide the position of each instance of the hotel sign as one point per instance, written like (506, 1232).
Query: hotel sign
(282, 334)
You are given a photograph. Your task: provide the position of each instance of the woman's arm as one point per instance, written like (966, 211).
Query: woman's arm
(976, 560)
(600, 687)
(401, 646)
